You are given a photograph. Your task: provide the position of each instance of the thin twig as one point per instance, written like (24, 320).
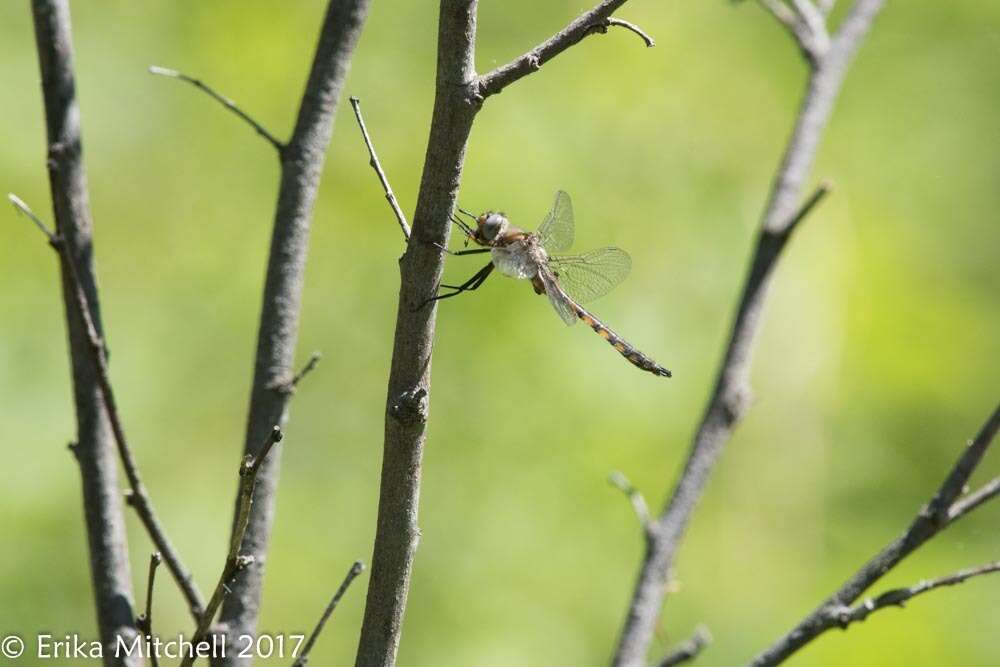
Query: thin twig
(602, 27)
(377, 166)
(499, 78)
(138, 498)
(235, 562)
(730, 396)
(355, 570)
(221, 99)
(931, 520)
(618, 480)
(26, 210)
(289, 386)
(814, 199)
(688, 650)
(972, 500)
(898, 597)
(145, 621)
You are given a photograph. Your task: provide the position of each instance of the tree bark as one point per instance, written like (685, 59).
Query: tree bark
(731, 394)
(94, 447)
(301, 166)
(409, 377)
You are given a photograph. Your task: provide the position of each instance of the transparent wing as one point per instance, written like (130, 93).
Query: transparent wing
(558, 298)
(556, 231)
(591, 275)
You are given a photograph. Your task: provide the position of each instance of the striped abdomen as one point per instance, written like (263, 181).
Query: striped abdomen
(636, 357)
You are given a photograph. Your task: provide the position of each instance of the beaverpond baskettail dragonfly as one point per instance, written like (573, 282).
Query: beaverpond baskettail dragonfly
(567, 280)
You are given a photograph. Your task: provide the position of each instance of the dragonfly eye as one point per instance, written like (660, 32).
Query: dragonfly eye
(491, 225)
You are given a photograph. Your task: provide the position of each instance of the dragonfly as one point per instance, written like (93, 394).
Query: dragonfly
(567, 280)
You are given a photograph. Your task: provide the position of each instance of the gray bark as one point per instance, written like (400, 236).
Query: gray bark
(301, 165)
(729, 398)
(409, 377)
(94, 448)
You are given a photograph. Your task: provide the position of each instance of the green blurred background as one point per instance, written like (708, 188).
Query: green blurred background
(878, 357)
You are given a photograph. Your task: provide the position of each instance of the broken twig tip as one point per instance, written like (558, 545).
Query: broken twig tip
(163, 71)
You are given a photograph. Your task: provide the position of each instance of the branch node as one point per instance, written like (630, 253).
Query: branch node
(288, 386)
(410, 408)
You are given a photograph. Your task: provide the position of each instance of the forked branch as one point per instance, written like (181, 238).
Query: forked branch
(235, 561)
(597, 20)
(138, 498)
(730, 396)
(898, 597)
(934, 517)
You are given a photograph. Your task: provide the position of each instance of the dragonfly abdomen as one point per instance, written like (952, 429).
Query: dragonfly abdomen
(635, 357)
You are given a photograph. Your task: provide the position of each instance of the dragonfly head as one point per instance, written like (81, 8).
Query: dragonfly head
(491, 226)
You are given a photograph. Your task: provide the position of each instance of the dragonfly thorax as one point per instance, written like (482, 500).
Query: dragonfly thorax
(519, 257)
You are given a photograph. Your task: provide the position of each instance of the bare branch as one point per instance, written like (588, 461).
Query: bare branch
(278, 326)
(730, 396)
(689, 650)
(408, 393)
(586, 24)
(805, 24)
(458, 97)
(107, 545)
(603, 26)
(784, 15)
(145, 622)
(355, 570)
(931, 520)
(898, 597)
(377, 166)
(621, 482)
(221, 99)
(971, 501)
(138, 497)
(816, 23)
(235, 561)
(826, 6)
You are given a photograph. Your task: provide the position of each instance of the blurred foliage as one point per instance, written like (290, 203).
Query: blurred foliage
(878, 357)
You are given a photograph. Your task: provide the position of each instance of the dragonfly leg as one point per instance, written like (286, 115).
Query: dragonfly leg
(466, 229)
(469, 285)
(457, 253)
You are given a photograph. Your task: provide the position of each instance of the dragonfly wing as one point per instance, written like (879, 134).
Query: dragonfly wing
(591, 275)
(558, 298)
(556, 231)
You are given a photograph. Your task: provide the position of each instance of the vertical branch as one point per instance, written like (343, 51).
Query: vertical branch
(103, 514)
(730, 395)
(301, 165)
(409, 376)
